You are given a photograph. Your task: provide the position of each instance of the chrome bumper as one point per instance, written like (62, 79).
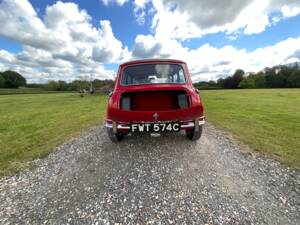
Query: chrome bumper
(119, 126)
(192, 124)
(127, 127)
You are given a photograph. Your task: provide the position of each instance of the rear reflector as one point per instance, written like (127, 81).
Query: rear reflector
(183, 101)
(125, 103)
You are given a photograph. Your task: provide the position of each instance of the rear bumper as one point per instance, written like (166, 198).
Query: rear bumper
(125, 116)
(126, 126)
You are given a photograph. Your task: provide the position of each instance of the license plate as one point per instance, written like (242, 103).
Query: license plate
(155, 127)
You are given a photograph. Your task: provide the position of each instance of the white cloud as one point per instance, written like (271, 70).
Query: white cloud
(60, 15)
(6, 57)
(207, 14)
(96, 71)
(177, 20)
(63, 43)
(208, 62)
(19, 22)
(37, 66)
(169, 23)
(63, 38)
(280, 53)
(183, 19)
(139, 10)
(37, 57)
(146, 46)
(141, 3)
(118, 2)
(290, 11)
(108, 48)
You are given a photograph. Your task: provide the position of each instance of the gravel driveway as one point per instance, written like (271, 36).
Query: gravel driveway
(168, 180)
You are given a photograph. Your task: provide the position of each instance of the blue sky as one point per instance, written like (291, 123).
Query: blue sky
(122, 18)
(74, 39)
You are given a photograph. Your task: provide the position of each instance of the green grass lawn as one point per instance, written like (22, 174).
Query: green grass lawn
(268, 120)
(9, 91)
(32, 125)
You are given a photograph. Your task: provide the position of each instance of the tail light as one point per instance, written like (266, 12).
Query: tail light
(183, 101)
(125, 103)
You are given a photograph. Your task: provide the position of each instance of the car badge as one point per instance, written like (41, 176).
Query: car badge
(155, 116)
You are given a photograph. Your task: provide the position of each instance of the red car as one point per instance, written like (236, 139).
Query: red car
(154, 96)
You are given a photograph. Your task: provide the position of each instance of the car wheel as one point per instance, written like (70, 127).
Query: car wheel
(194, 134)
(114, 137)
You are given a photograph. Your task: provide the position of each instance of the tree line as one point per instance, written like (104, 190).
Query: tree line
(274, 77)
(76, 85)
(12, 79)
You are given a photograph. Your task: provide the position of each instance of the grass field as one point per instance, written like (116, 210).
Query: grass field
(32, 125)
(268, 120)
(9, 91)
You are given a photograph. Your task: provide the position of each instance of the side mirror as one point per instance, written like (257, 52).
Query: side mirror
(110, 94)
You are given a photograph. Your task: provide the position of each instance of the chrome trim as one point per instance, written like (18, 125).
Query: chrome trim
(119, 126)
(192, 124)
(187, 125)
(201, 122)
(108, 125)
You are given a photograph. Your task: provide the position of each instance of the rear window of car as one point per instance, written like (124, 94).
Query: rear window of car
(153, 74)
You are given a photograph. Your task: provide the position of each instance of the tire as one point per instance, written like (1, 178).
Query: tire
(114, 137)
(193, 134)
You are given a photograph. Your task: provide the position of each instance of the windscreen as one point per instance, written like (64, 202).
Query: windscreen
(153, 74)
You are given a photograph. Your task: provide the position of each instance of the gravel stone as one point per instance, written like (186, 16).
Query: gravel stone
(147, 180)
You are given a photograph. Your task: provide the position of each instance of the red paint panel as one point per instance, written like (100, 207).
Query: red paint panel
(154, 100)
(148, 99)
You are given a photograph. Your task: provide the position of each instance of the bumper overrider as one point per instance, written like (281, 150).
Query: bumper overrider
(125, 126)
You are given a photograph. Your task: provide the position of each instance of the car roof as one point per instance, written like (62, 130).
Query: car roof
(151, 60)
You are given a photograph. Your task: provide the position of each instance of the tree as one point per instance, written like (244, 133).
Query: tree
(259, 80)
(206, 85)
(13, 79)
(237, 77)
(74, 85)
(220, 82)
(248, 82)
(269, 75)
(35, 85)
(227, 83)
(51, 85)
(62, 85)
(283, 75)
(294, 79)
(276, 77)
(79, 85)
(100, 83)
(232, 82)
(2, 81)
